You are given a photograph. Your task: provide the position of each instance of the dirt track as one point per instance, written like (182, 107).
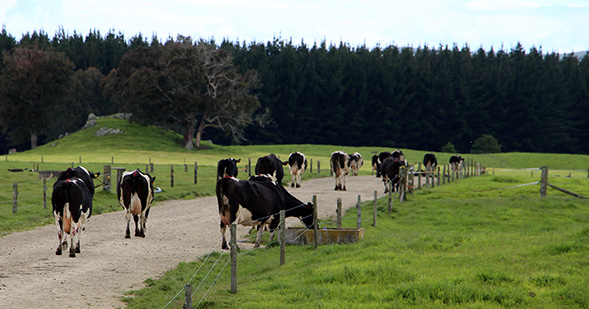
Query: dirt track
(32, 276)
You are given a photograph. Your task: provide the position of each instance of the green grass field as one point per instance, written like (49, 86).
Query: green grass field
(471, 243)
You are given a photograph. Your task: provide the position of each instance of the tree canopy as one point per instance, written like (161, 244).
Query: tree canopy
(33, 89)
(185, 85)
(399, 97)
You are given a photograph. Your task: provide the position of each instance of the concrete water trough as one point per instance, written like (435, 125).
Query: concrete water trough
(303, 236)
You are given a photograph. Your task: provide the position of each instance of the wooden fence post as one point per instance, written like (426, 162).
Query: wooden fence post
(403, 184)
(187, 297)
(359, 216)
(311, 170)
(544, 181)
(171, 175)
(375, 209)
(151, 168)
(419, 176)
(120, 172)
(390, 187)
(233, 253)
(444, 175)
(195, 172)
(106, 178)
(44, 193)
(282, 237)
(249, 167)
(14, 197)
(185, 167)
(315, 223)
(318, 167)
(339, 213)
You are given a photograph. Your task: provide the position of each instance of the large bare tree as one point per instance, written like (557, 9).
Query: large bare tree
(190, 86)
(33, 88)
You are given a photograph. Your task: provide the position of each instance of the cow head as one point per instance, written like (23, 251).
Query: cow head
(308, 217)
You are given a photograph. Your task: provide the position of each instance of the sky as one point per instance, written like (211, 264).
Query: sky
(560, 26)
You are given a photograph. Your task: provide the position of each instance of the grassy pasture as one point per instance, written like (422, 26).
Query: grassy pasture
(469, 243)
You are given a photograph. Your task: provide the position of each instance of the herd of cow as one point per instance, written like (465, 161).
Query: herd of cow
(255, 202)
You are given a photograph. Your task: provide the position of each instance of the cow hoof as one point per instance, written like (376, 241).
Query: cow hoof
(127, 236)
(58, 251)
(72, 253)
(256, 245)
(292, 185)
(298, 186)
(77, 250)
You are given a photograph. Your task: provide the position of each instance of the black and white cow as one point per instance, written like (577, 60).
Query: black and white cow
(135, 193)
(398, 154)
(430, 162)
(72, 207)
(390, 169)
(257, 203)
(374, 163)
(456, 162)
(340, 168)
(272, 166)
(82, 173)
(355, 162)
(227, 167)
(381, 157)
(297, 164)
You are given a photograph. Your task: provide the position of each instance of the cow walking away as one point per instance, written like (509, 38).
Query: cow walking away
(227, 167)
(86, 176)
(390, 169)
(456, 162)
(430, 162)
(135, 193)
(257, 203)
(297, 164)
(398, 154)
(72, 207)
(355, 162)
(380, 158)
(340, 168)
(374, 163)
(271, 165)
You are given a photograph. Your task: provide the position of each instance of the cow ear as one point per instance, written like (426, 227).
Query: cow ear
(238, 160)
(285, 163)
(152, 179)
(96, 175)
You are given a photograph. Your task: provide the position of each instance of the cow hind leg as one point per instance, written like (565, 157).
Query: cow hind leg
(142, 222)
(259, 238)
(128, 218)
(137, 226)
(224, 242)
(77, 241)
(72, 248)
